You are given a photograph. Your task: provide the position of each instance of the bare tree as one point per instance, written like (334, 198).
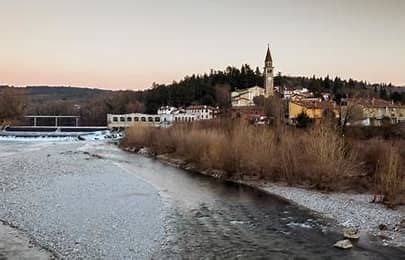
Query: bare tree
(223, 95)
(135, 107)
(13, 103)
(350, 113)
(274, 107)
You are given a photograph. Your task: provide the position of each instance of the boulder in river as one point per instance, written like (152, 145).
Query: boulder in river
(343, 244)
(351, 233)
(382, 227)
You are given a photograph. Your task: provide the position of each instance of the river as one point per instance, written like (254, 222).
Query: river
(92, 200)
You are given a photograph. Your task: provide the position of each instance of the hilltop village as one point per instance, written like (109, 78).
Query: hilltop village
(295, 106)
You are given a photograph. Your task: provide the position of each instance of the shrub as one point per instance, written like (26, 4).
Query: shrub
(318, 157)
(303, 120)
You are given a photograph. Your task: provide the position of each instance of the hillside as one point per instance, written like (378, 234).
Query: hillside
(62, 93)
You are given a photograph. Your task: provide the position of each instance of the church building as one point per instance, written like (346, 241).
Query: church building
(244, 97)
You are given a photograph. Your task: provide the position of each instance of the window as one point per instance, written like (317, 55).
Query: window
(157, 119)
(115, 119)
(136, 119)
(143, 119)
(129, 119)
(150, 119)
(122, 119)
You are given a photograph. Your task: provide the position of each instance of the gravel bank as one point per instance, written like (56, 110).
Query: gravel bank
(78, 205)
(350, 210)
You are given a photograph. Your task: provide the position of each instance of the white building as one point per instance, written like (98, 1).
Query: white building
(127, 120)
(202, 112)
(184, 117)
(166, 110)
(286, 93)
(195, 113)
(165, 116)
(244, 97)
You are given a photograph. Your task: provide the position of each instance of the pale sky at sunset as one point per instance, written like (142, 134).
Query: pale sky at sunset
(128, 44)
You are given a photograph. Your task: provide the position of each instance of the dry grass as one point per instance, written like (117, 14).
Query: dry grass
(386, 169)
(318, 157)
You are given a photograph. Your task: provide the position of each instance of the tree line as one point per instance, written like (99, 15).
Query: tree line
(213, 88)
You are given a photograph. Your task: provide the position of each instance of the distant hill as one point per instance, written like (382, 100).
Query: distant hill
(62, 93)
(44, 94)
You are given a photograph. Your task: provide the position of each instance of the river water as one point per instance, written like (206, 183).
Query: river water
(92, 200)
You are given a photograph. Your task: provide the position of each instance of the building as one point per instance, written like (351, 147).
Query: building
(185, 117)
(202, 112)
(195, 113)
(166, 116)
(245, 97)
(314, 109)
(372, 112)
(247, 112)
(166, 110)
(127, 120)
(286, 92)
(303, 96)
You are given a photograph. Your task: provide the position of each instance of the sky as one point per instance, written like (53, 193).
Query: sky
(129, 44)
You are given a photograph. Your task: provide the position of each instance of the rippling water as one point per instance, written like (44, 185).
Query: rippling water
(213, 219)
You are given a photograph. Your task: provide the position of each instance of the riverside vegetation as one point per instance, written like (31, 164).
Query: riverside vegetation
(318, 157)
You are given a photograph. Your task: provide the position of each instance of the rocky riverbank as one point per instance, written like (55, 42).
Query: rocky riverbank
(349, 210)
(15, 245)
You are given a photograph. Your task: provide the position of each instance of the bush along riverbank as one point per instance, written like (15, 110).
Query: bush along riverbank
(300, 165)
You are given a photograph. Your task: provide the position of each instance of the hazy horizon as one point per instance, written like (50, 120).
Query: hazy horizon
(131, 44)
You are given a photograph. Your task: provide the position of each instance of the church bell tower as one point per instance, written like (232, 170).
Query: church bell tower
(268, 75)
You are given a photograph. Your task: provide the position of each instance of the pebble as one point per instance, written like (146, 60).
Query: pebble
(343, 244)
(351, 233)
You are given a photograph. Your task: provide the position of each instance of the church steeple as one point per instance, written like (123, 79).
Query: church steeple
(268, 55)
(268, 75)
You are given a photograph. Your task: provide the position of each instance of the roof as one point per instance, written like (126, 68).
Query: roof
(312, 104)
(268, 55)
(239, 92)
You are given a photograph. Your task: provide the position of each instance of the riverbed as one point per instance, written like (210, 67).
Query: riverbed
(92, 200)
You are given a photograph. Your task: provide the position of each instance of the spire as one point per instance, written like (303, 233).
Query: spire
(268, 55)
